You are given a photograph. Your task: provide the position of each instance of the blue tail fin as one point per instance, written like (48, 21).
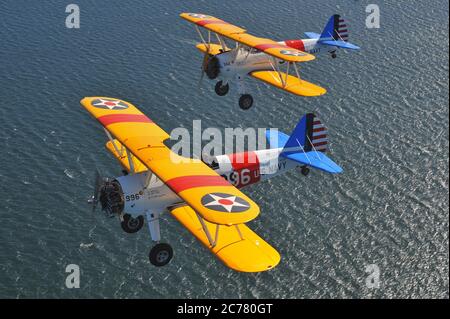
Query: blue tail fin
(306, 145)
(335, 34)
(335, 29)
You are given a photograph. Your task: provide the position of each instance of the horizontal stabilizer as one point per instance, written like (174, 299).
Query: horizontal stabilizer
(276, 139)
(340, 44)
(312, 35)
(315, 159)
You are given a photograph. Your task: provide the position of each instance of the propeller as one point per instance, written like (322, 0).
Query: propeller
(205, 62)
(98, 184)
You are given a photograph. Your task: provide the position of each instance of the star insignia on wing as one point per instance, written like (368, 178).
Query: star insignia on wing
(109, 104)
(225, 203)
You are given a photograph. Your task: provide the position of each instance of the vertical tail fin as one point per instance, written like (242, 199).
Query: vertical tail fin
(336, 29)
(306, 145)
(309, 134)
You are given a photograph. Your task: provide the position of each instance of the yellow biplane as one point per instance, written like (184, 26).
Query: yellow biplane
(261, 58)
(156, 180)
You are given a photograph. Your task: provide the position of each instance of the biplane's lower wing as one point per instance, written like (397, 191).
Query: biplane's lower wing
(289, 83)
(209, 194)
(237, 246)
(214, 49)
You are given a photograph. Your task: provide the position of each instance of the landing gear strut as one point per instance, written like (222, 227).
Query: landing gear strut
(221, 89)
(160, 254)
(305, 170)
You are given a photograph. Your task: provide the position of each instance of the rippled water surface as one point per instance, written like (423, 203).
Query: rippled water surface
(386, 109)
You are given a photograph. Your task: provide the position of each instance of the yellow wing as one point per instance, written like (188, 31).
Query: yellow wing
(289, 83)
(237, 246)
(196, 183)
(238, 34)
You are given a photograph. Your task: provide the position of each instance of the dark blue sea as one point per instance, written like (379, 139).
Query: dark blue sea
(387, 111)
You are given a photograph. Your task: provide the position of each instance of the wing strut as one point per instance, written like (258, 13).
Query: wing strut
(207, 233)
(113, 142)
(275, 67)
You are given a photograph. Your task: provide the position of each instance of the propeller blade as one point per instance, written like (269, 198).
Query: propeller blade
(204, 65)
(97, 185)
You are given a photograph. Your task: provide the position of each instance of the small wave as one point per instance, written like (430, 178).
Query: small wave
(87, 246)
(69, 173)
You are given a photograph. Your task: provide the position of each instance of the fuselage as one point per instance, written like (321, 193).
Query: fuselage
(240, 169)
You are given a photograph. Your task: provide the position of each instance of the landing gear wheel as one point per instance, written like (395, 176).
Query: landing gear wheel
(220, 89)
(333, 55)
(245, 101)
(130, 224)
(305, 171)
(160, 254)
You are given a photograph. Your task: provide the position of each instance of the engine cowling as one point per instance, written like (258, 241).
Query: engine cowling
(111, 197)
(213, 68)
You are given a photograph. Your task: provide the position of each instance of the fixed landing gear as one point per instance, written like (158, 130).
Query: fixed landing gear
(245, 101)
(160, 254)
(221, 89)
(333, 54)
(304, 170)
(130, 224)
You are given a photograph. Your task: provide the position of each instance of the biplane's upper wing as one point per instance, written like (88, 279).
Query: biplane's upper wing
(240, 35)
(210, 195)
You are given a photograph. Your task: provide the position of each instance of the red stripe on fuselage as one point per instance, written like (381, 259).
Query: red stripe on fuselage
(246, 165)
(119, 118)
(244, 160)
(296, 44)
(182, 183)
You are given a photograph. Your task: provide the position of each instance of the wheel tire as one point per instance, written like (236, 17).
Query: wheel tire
(160, 254)
(334, 56)
(245, 101)
(132, 225)
(220, 89)
(305, 171)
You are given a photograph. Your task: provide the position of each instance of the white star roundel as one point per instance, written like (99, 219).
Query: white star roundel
(199, 15)
(225, 203)
(109, 104)
(293, 53)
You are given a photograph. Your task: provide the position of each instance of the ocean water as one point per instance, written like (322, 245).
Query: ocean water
(386, 109)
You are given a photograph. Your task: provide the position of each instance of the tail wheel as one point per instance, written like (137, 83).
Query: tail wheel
(160, 254)
(305, 170)
(220, 89)
(245, 101)
(130, 224)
